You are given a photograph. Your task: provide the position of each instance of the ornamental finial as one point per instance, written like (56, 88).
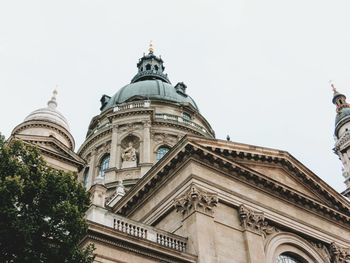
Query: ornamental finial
(333, 87)
(52, 102)
(151, 48)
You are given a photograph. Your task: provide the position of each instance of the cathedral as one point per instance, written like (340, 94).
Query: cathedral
(164, 189)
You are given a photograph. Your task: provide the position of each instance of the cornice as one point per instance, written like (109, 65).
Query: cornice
(45, 124)
(89, 141)
(148, 183)
(39, 140)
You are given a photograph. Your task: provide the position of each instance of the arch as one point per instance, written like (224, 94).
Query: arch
(86, 176)
(148, 67)
(292, 245)
(103, 165)
(131, 144)
(156, 67)
(161, 151)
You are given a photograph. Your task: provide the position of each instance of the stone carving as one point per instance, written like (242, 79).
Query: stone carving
(322, 250)
(129, 156)
(162, 138)
(196, 199)
(338, 254)
(255, 221)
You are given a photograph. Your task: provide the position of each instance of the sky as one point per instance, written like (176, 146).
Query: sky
(258, 70)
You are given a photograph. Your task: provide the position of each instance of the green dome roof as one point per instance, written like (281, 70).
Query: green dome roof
(344, 113)
(149, 89)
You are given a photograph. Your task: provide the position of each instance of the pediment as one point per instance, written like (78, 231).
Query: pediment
(53, 147)
(281, 175)
(278, 167)
(275, 172)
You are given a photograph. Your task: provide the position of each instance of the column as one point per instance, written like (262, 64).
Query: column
(113, 162)
(92, 168)
(146, 142)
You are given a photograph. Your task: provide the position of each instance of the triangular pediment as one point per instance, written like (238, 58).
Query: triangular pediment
(277, 166)
(274, 171)
(52, 147)
(281, 175)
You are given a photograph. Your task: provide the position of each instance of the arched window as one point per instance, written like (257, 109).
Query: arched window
(85, 176)
(104, 164)
(156, 67)
(286, 258)
(148, 67)
(162, 150)
(186, 116)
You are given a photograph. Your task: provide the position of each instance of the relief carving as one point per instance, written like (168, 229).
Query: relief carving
(162, 138)
(196, 199)
(322, 250)
(255, 221)
(339, 254)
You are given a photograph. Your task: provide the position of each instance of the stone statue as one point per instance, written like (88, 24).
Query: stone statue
(129, 153)
(129, 156)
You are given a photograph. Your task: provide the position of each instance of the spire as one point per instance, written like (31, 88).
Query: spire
(52, 103)
(339, 99)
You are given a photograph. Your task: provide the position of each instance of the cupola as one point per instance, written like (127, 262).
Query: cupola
(150, 67)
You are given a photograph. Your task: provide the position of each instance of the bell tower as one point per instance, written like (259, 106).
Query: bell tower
(342, 135)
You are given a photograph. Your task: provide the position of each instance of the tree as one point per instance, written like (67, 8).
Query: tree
(41, 209)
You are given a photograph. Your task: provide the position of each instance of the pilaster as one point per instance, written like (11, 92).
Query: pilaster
(114, 144)
(255, 229)
(197, 207)
(146, 142)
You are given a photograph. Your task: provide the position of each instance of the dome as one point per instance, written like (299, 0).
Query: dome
(151, 89)
(344, 113)
(50, 114)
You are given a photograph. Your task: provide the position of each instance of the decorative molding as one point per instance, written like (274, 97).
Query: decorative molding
(321, 249)
(255, 221)
(194, 200)
(339, 254)
(342, 141)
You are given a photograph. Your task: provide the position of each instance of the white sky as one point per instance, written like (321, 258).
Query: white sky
(258, 70)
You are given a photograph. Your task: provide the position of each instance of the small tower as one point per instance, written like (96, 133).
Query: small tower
(342, 135)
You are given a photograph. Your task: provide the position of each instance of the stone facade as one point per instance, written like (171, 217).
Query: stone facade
(163, 189)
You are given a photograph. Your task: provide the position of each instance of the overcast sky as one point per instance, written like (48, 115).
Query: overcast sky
(259, 70)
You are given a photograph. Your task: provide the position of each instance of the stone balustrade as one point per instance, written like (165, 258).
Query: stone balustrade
(133, 228)
(132, 105)
(179, 120)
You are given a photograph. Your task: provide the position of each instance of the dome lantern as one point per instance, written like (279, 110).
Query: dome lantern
(150, 67)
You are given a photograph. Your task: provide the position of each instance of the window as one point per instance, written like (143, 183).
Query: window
(104, 164)
(285, 258)
(156, 67)
(162, 150)
(85, 176)
(186, 116)
(148, 67)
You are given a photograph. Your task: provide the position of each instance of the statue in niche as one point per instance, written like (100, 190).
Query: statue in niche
(129, 153)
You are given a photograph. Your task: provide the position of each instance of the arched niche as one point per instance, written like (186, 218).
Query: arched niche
(293, 245)
(130, 151)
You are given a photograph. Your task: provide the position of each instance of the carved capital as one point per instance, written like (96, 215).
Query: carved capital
(196, 199)
(339, 254)
(255, 221)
